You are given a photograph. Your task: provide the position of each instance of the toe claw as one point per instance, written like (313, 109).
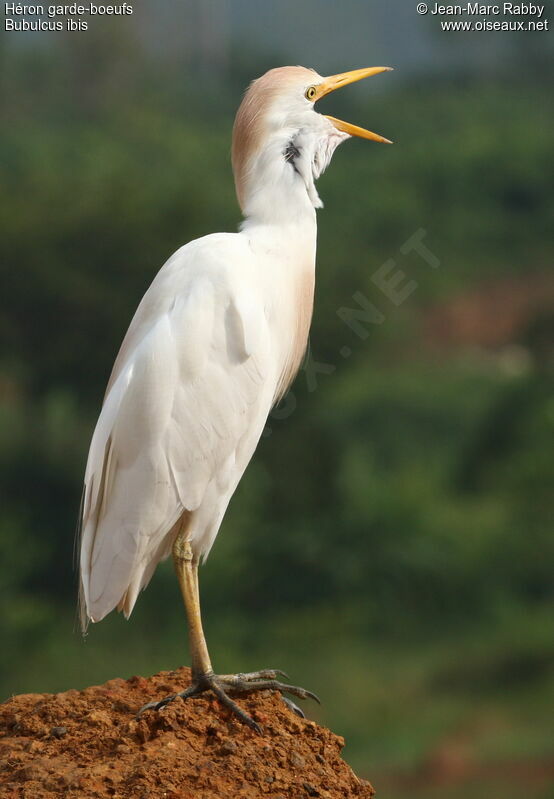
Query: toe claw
(233, 707)
(311, 695)
(254, 725)
(157, 705)
(296, 690)
(161, 703)
(294, 707)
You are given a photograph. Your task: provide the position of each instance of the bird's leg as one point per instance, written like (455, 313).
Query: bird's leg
(186, 566)
(203, 677)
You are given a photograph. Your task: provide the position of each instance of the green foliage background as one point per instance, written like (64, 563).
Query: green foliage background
(391, 542)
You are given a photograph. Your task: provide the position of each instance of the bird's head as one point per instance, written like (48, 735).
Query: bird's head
(281, 145)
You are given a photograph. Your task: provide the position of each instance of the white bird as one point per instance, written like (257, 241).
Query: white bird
(215, 342)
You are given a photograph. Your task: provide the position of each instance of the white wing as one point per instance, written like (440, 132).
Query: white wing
(189, 391)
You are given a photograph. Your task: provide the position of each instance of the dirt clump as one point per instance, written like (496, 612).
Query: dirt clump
(89, 744)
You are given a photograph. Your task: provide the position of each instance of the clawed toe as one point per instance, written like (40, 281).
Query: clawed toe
(236, 683)
(263, 674)
(155, 705)
(294, 707)
(264, 680)
(161, 703)
(227, 702)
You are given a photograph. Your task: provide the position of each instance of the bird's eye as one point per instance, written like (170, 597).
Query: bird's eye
(310, 93)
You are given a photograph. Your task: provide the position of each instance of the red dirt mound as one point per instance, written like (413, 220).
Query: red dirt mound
(88, 744)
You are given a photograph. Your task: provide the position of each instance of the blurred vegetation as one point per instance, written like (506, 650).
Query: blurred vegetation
(391, 542)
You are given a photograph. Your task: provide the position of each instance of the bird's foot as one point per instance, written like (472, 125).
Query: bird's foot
(223, 684)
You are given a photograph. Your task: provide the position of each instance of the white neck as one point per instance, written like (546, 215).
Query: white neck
(281, 190)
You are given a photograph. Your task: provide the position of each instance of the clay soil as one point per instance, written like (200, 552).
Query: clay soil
(89, 744)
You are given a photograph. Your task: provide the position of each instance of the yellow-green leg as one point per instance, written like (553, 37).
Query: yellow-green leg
(203, 677)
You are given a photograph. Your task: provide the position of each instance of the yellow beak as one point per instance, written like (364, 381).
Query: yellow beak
(336, 82)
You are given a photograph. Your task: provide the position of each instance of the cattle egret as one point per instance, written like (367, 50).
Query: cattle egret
(215, 342)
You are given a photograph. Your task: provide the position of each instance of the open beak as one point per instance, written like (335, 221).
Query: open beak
(336, 82)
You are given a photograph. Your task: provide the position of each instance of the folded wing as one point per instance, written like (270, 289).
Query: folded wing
(187, 387)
